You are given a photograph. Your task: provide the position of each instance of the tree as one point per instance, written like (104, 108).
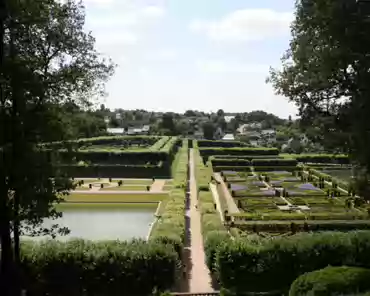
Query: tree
(220, 113)
(168, 123)
(209, 130)
(326, 73)
(47, 60)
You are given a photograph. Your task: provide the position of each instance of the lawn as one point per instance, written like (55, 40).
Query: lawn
(115, 198)
(134, 181)
(125, 188)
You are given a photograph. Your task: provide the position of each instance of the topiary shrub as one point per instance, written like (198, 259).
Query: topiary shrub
(341, 280)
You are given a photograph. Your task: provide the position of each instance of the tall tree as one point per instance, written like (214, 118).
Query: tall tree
(326, 72)
(48, 60)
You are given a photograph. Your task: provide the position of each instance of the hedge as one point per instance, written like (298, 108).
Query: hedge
(79, 267)
(220, 144)
(232, 168)
(162, 170)
(275, 264)
(341, 280)
(206, 152)
(274, 162)
(312, 225)
(214, 232)
(170, 226)
(247, 157)
(108, 140)
(321, 158)
(230, 162)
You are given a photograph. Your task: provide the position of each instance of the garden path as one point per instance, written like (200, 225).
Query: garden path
(216, 198)
(157, 185)
(232, 207)
(199, 277)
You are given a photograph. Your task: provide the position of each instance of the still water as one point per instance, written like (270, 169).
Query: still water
(104, 224)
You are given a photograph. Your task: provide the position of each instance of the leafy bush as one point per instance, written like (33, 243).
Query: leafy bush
(213, 240)
(332, 281)
(81, 267)
(277, 263)
(206, 152)
(230, 162)
(322, 158)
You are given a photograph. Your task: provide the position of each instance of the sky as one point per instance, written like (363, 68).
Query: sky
(176, 55)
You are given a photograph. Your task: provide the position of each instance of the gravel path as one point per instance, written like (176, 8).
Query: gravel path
(199, 279)
(232, 207)
(157, 185)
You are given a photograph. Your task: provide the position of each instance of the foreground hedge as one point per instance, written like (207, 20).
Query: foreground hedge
(275, 264)
(206, 152)
(81, 267)
(321, 158)
(332, 281)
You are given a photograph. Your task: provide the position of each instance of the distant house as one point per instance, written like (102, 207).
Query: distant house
(115, 131)
(228, 137)
(269, 135)
(244, 129)
(254, 138)
(229, 118)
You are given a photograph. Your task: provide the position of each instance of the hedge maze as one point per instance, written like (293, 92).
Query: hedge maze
(120, 157)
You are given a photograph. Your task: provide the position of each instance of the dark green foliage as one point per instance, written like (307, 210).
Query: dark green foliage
(213, 240)
(103, 268)
(206, 152)
(220, 144)
(230, 162)
(274, 162)
(277, 263)
(322, 158)
(332, 281)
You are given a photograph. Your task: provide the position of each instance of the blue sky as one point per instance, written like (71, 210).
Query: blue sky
(175, 55)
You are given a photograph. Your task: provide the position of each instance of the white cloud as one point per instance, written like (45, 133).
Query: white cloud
(153, 11)
(165, 54)
(245, 25)
(221, 66)
(100, 3)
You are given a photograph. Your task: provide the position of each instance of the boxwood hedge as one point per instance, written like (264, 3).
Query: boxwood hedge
(275, 264)
(341, 280)
(79, 267)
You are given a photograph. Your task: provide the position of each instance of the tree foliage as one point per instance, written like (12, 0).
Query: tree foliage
(325, 73)
(48, 61)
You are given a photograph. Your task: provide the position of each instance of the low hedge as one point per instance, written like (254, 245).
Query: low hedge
(274, 168)
(170, 226)
(274, 162)
(247, 157)
(312, 225)
(321, 158)
(275, 264)
(162, 170)
(79, 267)
(232, 168)
(341, 280)
(230, 162)
(222, 144)
(206, 152)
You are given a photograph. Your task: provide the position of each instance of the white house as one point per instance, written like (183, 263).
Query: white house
(228, 137)
(115, 131)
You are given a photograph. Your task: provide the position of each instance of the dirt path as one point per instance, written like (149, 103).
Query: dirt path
(199, 278)
(157, 185)
(216, 198)
(232, 207)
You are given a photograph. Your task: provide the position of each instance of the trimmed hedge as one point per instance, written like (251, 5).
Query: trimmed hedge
(341, 280)
(170, 226)
(230, 162)
(79, 267)
(220, 144)
(275, 264)
(162, 170)
(206, 152)
(247, 157)
(321, 158)
(274, 162)
(232, 168)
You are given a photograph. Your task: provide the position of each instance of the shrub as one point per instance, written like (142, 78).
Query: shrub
(81, 267)
(332, 281)
(245, 267)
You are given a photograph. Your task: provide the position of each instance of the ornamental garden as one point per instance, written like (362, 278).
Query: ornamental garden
(267, 218)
